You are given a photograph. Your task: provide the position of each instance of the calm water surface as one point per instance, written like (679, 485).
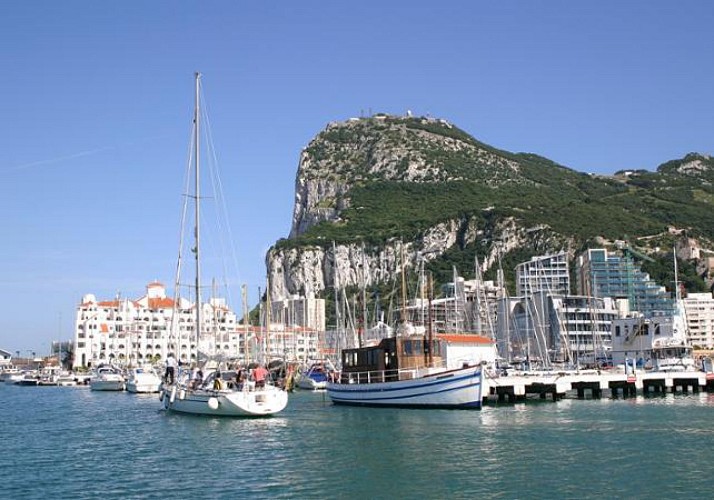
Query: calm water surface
(74, 443)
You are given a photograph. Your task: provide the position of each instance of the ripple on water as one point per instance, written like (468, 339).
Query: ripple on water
(75, 443)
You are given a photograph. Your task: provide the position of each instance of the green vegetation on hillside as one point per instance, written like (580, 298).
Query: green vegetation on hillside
(485, 186)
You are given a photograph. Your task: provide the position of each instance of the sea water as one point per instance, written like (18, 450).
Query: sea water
(73, 443)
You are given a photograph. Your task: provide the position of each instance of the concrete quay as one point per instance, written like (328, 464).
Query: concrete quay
(518, 387)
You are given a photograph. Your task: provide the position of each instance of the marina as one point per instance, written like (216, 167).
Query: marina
(494, 388)
(393, 251)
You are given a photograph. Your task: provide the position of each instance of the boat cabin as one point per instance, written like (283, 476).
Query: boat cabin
(394, 358)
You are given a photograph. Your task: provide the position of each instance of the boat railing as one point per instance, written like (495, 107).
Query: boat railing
(391, 375)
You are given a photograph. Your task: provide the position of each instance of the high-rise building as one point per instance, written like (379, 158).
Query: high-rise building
(299, 311)
(551, 327)
(604, 274)
(549, 273)
(699, 308)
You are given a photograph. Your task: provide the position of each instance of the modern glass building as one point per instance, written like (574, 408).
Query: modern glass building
(604, 274)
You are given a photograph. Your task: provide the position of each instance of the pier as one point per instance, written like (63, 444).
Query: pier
(513, 388)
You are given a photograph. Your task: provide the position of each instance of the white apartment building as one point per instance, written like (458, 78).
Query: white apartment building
(699, 308)
(555, 327)
(145, 330)
(549, 273)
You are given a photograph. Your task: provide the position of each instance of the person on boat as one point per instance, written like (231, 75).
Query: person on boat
(170, 374)
(238, 381)
(217, 381)
(259, 375)
(196, 377)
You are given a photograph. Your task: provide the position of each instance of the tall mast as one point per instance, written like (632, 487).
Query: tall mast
(338, 319)
(268, 308)
(244, 292)
(677, 290)
(196, 128)
(428, 354)
(404, 290)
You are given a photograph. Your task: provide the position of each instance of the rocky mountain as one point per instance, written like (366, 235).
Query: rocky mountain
(375, 194)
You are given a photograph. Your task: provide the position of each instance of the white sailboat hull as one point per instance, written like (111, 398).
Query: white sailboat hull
(460, 388)
(248, 402)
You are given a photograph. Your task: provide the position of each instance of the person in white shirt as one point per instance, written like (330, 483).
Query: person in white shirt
(170, 369)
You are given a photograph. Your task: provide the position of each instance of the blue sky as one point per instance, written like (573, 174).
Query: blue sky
(97, 102)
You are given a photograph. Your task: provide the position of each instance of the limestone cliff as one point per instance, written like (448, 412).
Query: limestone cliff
(373, 192)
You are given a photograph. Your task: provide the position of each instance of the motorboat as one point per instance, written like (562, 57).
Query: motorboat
(107, 378)
(315, 377)
(29, 378)
(144, 380)
(11, 375)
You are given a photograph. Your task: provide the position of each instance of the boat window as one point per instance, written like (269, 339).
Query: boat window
(350, 358)
(436, 348)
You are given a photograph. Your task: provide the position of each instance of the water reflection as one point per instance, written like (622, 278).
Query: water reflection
(565, 449)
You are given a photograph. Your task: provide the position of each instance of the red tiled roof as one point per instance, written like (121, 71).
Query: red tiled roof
(159, 303)
(108, 303)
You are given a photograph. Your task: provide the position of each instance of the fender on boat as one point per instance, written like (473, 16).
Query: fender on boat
(213, 403)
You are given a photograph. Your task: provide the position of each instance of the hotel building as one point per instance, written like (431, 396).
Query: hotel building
(147, 329)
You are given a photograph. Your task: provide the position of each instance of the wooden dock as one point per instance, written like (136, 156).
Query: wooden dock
(519, 387)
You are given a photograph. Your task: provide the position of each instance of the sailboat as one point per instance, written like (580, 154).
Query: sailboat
(674, 352)
(220, 392)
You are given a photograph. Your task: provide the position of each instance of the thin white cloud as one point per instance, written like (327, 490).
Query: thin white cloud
(59, 159)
